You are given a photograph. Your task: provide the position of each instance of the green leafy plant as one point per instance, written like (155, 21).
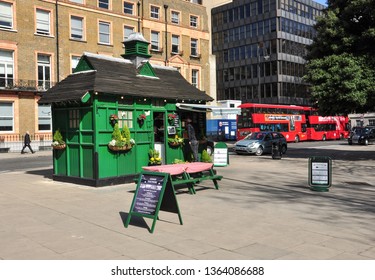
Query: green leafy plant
(154, 157)
(57, 138)
(121, 138)
(205, 156)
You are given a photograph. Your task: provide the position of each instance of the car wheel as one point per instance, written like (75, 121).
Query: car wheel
(210, 150)
(366, 142)
(296, 139)
(324, 138)
(283, 149)
(259, 151)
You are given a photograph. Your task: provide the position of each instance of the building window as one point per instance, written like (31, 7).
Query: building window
(74, 118)
(194, 77)
(175, 17)
(194, 47)
(175, 44)
(127, 31)
(44, 118)
(104, 4)
(104, 32)
(128, 8)
(154, 40)
(44, 71)
(76, 28)
(6, 116)
(77, 1)
(194, 21)
(154, 12)
(6, 15)
(74, 62)
(371, 122)
(125, 118)
(43, 22)
(6, 68)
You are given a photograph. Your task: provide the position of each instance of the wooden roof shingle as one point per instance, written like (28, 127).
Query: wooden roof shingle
(120, 77)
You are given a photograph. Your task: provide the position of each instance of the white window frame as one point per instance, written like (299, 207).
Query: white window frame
(77, 33)
(126, 10)
(106, 3)
(6, 118)
(175, 17)
(44, 117)
(74, 59)
(78, 1)
(105, 33)
(43, 21)
(43, 82)
(6, 15)
(194, 47)
(155, 41)
(154, 12)
(128, 28)
(195, 77)
(174, 44)
(7, 65)
(194, 23)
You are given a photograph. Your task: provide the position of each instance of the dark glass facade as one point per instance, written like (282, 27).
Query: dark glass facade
(260, 47)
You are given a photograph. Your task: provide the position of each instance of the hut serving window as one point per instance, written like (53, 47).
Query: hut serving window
(125, 118)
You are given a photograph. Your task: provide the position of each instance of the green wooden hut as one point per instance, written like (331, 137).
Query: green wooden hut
(106, 92)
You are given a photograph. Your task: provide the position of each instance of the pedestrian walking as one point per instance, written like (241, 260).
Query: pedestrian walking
(192, 139)
(27, 142)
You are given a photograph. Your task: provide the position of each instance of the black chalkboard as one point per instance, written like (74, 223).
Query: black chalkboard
(154, 192)
(148, 194)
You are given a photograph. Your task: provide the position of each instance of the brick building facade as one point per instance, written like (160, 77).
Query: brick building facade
(42, 40)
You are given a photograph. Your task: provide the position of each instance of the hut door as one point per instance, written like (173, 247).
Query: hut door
(159, 134)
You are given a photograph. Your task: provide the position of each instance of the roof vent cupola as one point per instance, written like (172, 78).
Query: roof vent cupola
(136, 49)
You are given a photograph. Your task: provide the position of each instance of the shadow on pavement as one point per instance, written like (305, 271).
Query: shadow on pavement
(46, 173)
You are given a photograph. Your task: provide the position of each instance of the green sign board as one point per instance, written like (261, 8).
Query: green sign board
(154, 192)
(320, 173)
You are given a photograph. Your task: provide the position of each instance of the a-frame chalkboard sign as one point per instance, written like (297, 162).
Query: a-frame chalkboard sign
(154, 192)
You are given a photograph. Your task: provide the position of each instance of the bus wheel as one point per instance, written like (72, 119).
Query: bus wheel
(259, 151)
(296, 139)
(341, 136)
(324, 138)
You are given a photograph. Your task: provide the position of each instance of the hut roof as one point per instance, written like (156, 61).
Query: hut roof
(120, 77)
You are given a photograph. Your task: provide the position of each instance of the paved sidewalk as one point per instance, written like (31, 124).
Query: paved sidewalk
(264, 210)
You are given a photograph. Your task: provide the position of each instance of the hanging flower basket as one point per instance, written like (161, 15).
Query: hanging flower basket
(59, 147)
(174, 144)
(171, 118)
(119, 149)
(113, 119)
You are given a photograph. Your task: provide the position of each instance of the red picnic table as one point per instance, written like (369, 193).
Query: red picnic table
(188, 173)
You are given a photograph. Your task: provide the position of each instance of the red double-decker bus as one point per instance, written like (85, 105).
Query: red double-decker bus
(327, 128)
(290, 120)
(296, 123)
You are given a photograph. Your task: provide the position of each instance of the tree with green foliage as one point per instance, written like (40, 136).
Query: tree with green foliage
(341, 59)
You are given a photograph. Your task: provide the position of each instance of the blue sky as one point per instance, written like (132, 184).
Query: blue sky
(321, 2)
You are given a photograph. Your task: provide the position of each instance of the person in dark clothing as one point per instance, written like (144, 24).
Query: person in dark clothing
(192, 139)
(27, 142)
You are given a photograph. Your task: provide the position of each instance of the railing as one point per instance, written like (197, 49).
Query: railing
(20, 137)
(27, 85)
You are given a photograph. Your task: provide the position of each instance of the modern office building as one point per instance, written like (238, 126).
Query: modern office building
(260, 47)
(41, 42)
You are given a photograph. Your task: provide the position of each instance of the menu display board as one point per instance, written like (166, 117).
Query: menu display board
(148, 194)
(320, 173)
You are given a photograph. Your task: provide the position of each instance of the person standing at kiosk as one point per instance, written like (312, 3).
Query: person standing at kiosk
(192, 139)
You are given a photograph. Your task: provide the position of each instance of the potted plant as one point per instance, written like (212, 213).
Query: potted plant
(121, 139)
(113, 119)
(154, 157)
(171, 118)
(205, 156)
(58, 142)
(141, 119)
(175, 141)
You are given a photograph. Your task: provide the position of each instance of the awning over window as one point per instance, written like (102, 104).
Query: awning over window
(216, 110)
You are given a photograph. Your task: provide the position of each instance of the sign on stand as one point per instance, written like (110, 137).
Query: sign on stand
(221, 156)
(154, 192)
(320, 173)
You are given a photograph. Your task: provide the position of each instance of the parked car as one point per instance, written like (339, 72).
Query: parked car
(362, 136)
(261, 142)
